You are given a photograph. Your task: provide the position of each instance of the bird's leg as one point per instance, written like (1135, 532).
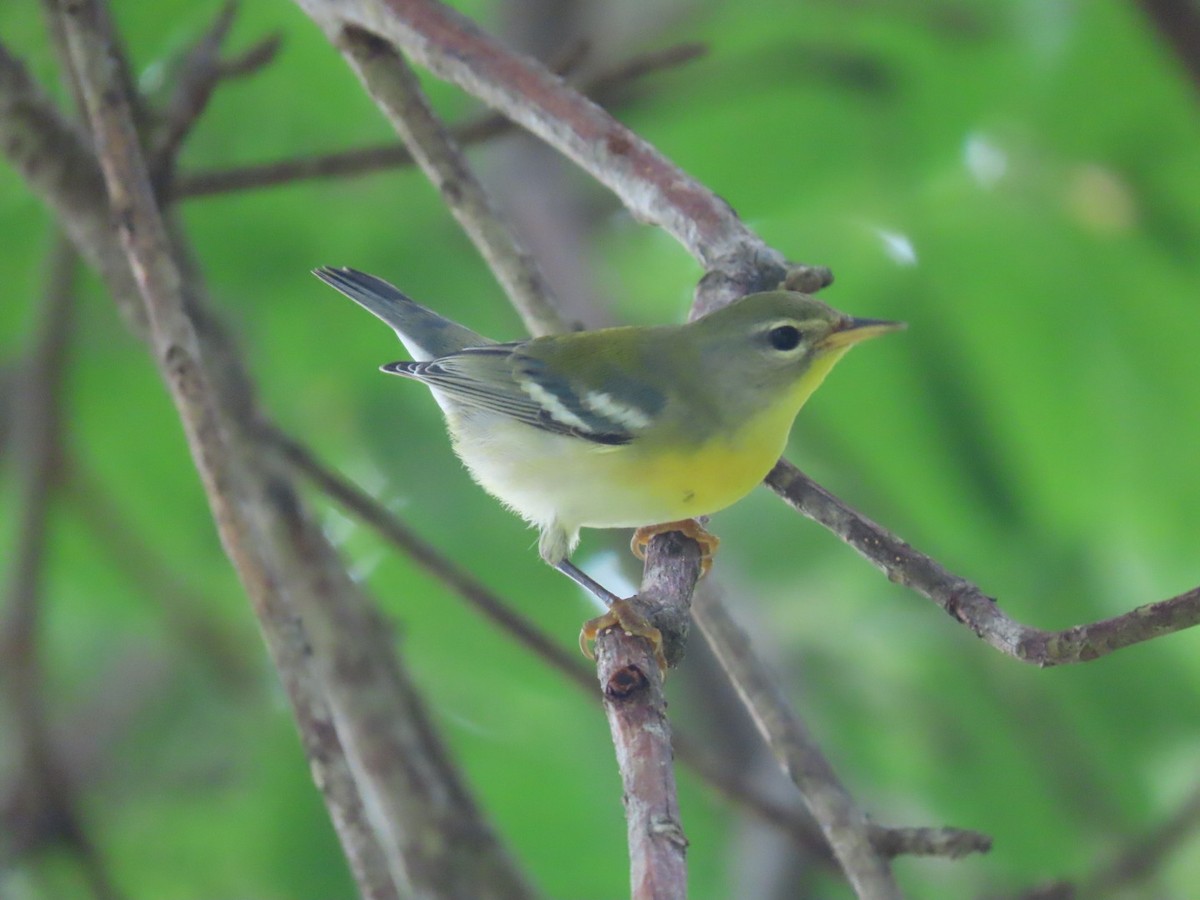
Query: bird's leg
(587, 582)
(621, 614)
(691, 528)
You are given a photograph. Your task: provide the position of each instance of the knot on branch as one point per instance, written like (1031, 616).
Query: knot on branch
(626, 682)
(807, 279)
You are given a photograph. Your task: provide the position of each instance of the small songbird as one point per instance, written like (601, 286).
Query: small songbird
(642, 427)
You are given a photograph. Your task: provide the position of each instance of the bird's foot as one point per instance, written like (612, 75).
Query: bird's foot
(622, 615)
(691, 528)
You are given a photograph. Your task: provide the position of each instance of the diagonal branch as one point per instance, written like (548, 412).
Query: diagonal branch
(406, 821)
(652, 188)
(966, 603)
(846, 827)
(200, 70)
(395, 89)
(367, 160)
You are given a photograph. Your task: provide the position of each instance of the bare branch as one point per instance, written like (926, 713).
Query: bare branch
(651, 187)
(395, 89)
(637, 68)
(966, 603)
(198, 73)
(952, 843)
(637, 717)
(365, 161)
(845, 826)
(405, 820)
(474, 592)
(49, 153)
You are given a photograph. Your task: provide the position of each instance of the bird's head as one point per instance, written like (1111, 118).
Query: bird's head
(781, 340)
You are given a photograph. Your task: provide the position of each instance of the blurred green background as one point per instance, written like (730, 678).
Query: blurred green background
(1020, 181)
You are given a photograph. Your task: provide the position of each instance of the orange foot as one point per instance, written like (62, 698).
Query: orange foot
(622, 615)
(690, 527)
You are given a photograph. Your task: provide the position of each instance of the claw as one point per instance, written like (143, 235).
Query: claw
(691, 528)
(622, 615)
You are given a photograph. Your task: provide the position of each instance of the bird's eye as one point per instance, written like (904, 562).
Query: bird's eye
(784, 337)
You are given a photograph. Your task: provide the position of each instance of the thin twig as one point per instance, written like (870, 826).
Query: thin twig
(368, 160)
(197, 77)
(638, 67)
(395, 89)
(966, 603)
(343, 164)
(55, 162)
(477, 595)
(199, 71)
(950, 843)
(651, 187)
(846, 827)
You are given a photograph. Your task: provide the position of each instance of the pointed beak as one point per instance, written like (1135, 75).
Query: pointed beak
(852, 331)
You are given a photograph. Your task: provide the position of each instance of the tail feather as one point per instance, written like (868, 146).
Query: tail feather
(423, 332)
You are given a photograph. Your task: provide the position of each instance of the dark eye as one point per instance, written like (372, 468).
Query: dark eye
(784, 337)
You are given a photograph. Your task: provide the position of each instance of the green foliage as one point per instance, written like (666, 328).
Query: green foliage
(1035, 430)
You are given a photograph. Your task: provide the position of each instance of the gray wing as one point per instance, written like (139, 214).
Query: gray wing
(501, 379)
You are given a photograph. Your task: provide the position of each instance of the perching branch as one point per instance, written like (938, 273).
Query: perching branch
(637, 717)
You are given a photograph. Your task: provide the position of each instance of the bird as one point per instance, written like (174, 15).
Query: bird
(646, 427)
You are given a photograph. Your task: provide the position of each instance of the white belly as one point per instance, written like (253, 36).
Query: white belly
(551, 478)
